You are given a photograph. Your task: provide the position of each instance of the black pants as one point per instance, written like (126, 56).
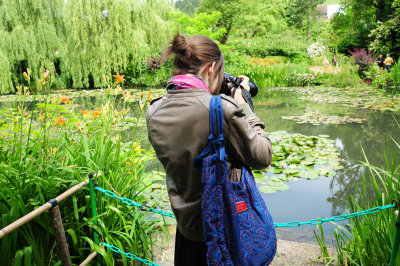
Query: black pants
(189, 253)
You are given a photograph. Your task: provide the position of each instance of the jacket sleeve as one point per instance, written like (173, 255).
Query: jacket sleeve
(246, 139)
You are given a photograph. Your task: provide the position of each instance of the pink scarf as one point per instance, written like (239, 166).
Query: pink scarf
(185, 82)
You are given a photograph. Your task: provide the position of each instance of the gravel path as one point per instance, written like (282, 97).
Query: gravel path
(288, 253)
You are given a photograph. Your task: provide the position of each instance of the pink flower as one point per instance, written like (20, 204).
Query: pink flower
(284, 166)
(279, 139)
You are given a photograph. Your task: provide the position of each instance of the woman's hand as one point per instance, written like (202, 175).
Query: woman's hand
(238, 93)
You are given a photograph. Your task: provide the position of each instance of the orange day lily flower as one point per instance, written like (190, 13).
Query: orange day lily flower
(119, 78)
(84, 112)
(78, 124)
(97, 112)
(65, 100)
(60, 121)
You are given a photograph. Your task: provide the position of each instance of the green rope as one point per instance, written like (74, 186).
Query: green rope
(129, 255)
(289, 224)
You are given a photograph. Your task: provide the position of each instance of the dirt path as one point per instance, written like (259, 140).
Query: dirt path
(288, 253)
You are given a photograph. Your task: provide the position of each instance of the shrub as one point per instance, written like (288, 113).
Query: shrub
(316, 49)
(364, 59)
(345, 76)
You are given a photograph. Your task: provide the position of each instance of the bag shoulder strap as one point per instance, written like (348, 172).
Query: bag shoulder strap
(216, 118)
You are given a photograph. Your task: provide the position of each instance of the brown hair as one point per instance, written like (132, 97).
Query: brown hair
(193, 54)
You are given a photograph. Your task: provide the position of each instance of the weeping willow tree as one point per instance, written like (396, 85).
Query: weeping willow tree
(79, 40)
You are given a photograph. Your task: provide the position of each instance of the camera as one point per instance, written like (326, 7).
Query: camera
(235, 83)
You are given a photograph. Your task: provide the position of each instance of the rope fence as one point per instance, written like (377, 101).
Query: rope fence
(52, 205)
(289, 224)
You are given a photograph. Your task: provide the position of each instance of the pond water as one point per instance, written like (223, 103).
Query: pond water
(305, 199)
(327, 196)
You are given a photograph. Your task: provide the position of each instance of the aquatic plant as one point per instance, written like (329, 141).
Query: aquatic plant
(368, 240)
(297, 156)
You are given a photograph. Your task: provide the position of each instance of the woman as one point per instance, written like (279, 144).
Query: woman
(178, 129)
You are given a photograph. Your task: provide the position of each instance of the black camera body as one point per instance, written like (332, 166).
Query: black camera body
(235, 83)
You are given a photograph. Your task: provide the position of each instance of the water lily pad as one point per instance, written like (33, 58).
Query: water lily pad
(298, 156)
(267, 189)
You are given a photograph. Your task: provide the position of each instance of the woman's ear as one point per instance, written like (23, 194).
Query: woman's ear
(211, 69)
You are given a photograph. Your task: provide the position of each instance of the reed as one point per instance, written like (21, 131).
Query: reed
(368, 240)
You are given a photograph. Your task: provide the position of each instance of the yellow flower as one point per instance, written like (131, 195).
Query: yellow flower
(46, 74)
(119, 78)
(26, 76)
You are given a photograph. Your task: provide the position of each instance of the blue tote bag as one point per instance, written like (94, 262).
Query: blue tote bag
(237, 226)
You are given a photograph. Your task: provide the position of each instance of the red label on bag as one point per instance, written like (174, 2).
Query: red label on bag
(241, 206)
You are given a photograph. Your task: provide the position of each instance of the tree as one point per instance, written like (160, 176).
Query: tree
(302, 11)
(187, 6)
(248, 18)
(80, 40)
(358, 19)
(386, 36)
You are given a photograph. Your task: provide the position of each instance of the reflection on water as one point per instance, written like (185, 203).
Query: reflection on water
(325, 197)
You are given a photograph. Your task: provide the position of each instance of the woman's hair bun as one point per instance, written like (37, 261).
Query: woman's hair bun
(180, 46)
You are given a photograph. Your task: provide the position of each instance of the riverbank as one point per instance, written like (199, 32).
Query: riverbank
(288, 253)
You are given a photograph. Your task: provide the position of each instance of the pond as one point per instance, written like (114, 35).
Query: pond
(348, 126)
(326, 196)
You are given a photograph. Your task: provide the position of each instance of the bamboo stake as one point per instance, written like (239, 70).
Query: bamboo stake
(28, 217)
(59, 233)
(396, 244)
(88, 259)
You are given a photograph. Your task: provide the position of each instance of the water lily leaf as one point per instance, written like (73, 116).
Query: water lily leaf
(282, 187)
(267, 189)
(258, 174)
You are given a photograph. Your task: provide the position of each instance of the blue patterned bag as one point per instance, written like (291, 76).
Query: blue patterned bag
(237, 226)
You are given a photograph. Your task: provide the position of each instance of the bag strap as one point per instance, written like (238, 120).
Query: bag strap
(216, 118)
(217, 125)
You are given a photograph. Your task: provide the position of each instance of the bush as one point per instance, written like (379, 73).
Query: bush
(274, 45)
(344, 76)
(364, 59)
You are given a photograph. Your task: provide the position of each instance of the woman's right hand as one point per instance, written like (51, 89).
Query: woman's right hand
(238, 93)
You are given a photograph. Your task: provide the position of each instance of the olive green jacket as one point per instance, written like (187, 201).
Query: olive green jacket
(178, 129)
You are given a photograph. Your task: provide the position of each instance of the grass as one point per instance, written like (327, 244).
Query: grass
(368, 240)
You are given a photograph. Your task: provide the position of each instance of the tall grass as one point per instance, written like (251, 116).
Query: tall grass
(53, 146)
(368, 240)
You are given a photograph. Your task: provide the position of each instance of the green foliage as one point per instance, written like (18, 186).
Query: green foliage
(273, 45)
(187, 6)
(46, 147)
(5, 75)
(360, 17)
(202, 23)
(346, 77)
(368, 240)
(80, 41)
(385, 38)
